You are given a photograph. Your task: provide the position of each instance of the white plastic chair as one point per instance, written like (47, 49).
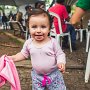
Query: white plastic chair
(88, 37)
(59, 36)
(81, 33)
(87, 41)
(87, 72)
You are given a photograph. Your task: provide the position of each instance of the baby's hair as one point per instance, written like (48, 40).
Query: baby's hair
(38, 11)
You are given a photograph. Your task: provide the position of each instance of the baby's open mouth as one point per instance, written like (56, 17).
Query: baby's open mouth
(38, 35)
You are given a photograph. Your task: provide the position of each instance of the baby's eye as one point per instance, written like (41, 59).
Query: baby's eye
(34, 26)
(43, 26)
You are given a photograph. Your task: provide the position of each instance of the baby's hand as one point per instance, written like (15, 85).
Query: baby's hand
(61, 67)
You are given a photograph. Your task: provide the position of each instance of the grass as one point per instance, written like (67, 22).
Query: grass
(15, 40)
(10, 37)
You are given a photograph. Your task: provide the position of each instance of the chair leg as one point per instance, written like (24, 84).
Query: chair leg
(61, 41)
(58, 38)
(81, 35)
(26, 35)
(14, 32)
(70, 42)
(87, 72)
(87, 42)
(77, 35)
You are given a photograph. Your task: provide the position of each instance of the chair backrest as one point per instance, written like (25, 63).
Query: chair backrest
(59, 21)
(15, 25)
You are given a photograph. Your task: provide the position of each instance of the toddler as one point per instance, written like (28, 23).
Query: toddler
(47, 57)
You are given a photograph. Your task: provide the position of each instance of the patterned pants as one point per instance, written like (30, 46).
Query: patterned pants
(54, 81)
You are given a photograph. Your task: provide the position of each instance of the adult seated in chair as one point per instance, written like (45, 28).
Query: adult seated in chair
(19, 18)
(60, 9)
(82, 6)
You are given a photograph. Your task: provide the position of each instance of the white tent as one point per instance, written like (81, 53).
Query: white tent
(23, 2)
(17, 2)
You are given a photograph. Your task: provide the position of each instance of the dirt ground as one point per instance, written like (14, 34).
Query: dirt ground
(75, 67)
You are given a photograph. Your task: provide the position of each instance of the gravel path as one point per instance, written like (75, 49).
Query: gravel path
(75, 67)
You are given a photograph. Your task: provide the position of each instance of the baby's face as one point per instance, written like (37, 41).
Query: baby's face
(39, 27)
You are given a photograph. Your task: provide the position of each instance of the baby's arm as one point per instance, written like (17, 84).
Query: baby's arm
(18, 57)
(60, 56)
(61, 59)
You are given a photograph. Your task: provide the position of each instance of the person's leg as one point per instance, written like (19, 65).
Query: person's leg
(36, 81)
(73, 35)
(6, 25)
(57, 82)
(65, 42)
(3, 23)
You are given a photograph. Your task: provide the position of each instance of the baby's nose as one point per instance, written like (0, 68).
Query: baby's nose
(38, 30)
